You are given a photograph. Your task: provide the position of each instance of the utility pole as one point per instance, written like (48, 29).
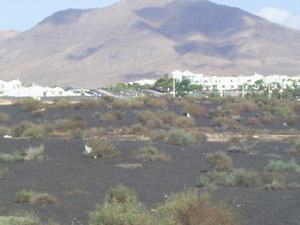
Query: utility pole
(174, 95)
(269, 90)
(243, 90)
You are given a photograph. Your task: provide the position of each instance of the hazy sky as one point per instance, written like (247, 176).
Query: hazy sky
(24, 14)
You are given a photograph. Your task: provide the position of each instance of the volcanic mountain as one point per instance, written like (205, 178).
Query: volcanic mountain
(136, 39)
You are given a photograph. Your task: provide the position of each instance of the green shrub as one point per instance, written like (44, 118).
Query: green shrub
(24, 196)
(191, 208)
(112, 116)
(122, 214)
(72, 123)
(4, 117)
(62, 103)
(184, 122)
(295, 148)
(215, 178)
(195, 110)
(152, 154)
(3, 173)
(159, 135)
(236, 178)
(119, 103)
(136, 129)
(28, 130)
(30, 104)
(244, 178)
(102, 149)
(97, 115)
(269, 119)
(169, 117)
(135, 103)
(199, 135)
(270, 177)
(9, 158)
(279, 165)
(43, 199)
(35, 153)
(157, 103)
(88, 103)
(121, 194)
(180, 137)
(242, 148)
(220, 161)
(253, 121)
(24, 219)
(226, 122)
(4, 130)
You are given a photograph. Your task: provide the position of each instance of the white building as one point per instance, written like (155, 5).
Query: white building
(222, 83)
(14, 88)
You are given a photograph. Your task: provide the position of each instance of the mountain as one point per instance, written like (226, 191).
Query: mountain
(5, 34)
(136, 39)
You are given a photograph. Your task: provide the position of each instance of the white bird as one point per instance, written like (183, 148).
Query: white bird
(7, 136)
(188, 115)
(87, 149)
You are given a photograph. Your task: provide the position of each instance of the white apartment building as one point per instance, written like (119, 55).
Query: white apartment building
(14, 88)
(223, 83)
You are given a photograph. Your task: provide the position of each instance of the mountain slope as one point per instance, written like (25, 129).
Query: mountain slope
(134, 39)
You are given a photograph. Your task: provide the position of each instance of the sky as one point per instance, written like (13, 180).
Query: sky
(24, 14)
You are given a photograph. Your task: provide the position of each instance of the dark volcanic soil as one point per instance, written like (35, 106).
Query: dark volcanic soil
(81, 183)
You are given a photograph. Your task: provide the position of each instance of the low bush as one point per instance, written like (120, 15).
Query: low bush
(191, 208)
(4, 130)
(152, 154)
(135, 103)
(136, 129)
(112, 116)
(9, 158)
(245, 178)
(122, 214)
(43, 199)
(121, 194)
(157, 103)
(220, 161)
(3, 173)
(25, 219)
(4, 117)
(62, 103)
(269, 119)
(270, 177)
(102, 149)
(279, 165)
(169, 118)
(295, 148)
(72, 123)
(184, 208)
(88, 103)
(236, 178)
(119, 103)
(27, 129)
(159, 135)
(35, 153)
(180, 137)
(253, 121)
(30, 104)
(24, 196)
(199, 135)
(195, 110)
(225, 122)
(184, 122)
(242, 148)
